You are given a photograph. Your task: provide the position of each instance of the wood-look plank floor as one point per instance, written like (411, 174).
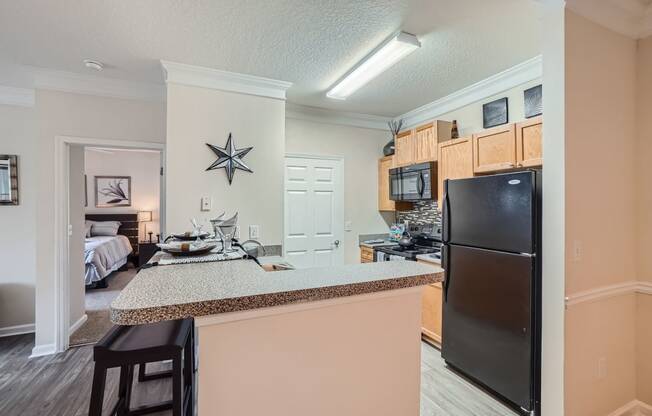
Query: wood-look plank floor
(60, 385)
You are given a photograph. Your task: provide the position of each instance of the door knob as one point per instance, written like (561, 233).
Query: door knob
(337, 243)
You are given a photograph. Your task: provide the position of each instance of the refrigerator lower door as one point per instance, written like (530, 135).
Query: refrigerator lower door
(487, 322)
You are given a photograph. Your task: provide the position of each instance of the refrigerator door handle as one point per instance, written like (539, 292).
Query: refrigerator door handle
(446, 216)
(445, 264)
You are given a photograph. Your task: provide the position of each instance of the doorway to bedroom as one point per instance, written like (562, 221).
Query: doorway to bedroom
(114, 203)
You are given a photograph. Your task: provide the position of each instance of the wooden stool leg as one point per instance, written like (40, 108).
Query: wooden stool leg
(141, 372)
(177, 385)
(189, 373)
(97, 393)
(124, 391)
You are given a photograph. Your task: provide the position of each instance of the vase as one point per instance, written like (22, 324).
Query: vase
(389, 148)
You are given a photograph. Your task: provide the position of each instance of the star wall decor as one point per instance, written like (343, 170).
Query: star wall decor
(229, 158)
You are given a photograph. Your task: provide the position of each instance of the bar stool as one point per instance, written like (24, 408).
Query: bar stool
(126, 346)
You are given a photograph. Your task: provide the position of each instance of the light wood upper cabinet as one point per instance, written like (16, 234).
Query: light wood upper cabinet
(494, 149)
(404, 145)
(529, 135)
(455, 162)
(384, 203)
(425, 144)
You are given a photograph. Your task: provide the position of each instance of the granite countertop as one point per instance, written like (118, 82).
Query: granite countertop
(177, 291)
(365, 237)
(429, 258)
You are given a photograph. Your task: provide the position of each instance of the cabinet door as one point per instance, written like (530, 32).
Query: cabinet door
(529, 151)
(366, 254)
(425, 144)
(404, 146)
(384, 203)
(494, 149)
(431, 312)
(455, 162)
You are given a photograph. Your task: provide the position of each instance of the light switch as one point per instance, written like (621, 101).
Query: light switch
(254, 232)
(206, 203)
(348, 226)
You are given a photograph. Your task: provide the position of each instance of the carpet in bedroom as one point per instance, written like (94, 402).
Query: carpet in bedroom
(97, 309)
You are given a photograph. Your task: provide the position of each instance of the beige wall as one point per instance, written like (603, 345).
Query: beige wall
(360, 149)
(469, 118)
(143, 167)
(17, 244)
(196, 116)
(600, 201)
(86, 116)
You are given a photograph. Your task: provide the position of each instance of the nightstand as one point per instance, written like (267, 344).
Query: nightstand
(145, 251)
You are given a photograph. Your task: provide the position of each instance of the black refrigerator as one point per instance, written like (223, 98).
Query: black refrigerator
(491, 254)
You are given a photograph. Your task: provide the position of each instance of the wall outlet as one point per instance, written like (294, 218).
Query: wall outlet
(254, 232)
(602, 368)
(206, 203)
(577, 250)
(348, 226)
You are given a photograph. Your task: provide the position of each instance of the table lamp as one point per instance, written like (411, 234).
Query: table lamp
(145, 216)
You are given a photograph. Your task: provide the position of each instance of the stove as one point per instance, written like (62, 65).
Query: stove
(427, 240)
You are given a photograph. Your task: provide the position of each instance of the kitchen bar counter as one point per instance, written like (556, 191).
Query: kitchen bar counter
(323, 341)
(176, 291)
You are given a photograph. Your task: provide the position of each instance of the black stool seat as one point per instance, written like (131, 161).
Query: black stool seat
(125, 346)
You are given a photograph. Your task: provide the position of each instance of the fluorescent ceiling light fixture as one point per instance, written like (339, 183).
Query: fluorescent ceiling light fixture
(382, 58)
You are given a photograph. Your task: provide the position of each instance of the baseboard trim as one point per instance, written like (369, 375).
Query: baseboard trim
(16, 330)
(78, 324)
(41, 350)
(633, 408)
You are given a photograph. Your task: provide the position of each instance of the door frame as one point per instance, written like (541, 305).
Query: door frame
(61, 215)
(340, 160)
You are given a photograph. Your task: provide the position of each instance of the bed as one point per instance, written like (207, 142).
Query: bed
(106, 254)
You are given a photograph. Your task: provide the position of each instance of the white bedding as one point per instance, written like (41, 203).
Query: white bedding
(103, 255)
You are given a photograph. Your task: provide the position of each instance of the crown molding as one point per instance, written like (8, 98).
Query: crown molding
(23, 97)
(606, 292)
(73, 82)
(322, 115)
(627, 17)
(198, 76)
(520, 74)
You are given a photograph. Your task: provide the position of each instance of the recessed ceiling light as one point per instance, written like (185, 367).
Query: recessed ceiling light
(94, 65)
(383, 57)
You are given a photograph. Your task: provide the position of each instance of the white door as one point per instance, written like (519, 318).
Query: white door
(314, 212)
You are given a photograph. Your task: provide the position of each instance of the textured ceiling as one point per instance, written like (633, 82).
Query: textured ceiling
(308, 42)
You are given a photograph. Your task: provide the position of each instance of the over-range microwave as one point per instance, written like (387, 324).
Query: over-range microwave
(413, 183)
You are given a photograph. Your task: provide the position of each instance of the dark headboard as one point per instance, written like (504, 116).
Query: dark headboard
(129, 227)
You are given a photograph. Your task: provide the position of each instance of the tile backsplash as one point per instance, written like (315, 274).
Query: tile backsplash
(423, 212)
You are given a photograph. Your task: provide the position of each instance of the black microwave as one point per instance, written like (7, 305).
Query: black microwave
(413, 183)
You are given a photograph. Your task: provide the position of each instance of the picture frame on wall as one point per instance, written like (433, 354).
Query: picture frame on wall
(8, 180)
(85, 191)
(533, 101)
(495, 113)
(112, 191)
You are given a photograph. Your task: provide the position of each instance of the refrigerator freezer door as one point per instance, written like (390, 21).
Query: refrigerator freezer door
(495, 212)
(487, 328)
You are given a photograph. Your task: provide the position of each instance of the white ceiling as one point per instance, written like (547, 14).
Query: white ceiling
(311, 43)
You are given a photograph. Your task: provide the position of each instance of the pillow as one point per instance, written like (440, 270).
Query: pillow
(105, 228)
(88, 226)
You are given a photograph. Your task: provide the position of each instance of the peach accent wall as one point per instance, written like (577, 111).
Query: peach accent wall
(600, 207)
(644, 158)
(600, 140)
(644, 348)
